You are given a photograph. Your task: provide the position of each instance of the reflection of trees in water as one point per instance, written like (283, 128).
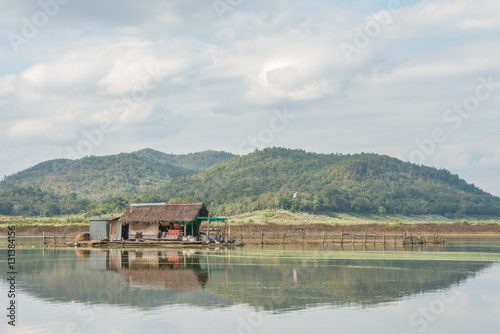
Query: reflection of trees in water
(154, 278)
(339, 282)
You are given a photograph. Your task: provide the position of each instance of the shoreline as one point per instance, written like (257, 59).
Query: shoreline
(448, 228)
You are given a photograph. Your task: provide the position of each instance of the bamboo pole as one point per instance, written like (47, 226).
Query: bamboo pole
(208, 226)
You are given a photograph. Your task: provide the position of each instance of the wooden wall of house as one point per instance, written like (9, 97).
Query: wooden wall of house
(148, 230)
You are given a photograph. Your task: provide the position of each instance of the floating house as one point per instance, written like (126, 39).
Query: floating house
(168, 221)
(163, 221)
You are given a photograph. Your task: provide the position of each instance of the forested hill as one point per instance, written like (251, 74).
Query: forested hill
(266, 179)
(126, 173)
(325, 183)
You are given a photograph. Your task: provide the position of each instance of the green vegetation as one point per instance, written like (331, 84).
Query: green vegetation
(326, 184)
(95, 178)
(330, 183)
(395, 225)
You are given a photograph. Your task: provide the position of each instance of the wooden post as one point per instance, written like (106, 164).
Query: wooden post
(364, 240)
(284, 235)
(54, 238)
(374, 239)
(261, 237)
(225, 225)
(383, 237)
(324, 234)
(341, 238)
(394, 238)
(302, 236)
(229, 234)
(352, 239)
(43, 237)
(208, 226)
(241, 239)
(185, 230)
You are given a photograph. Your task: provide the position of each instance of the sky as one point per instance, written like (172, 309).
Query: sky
(415, 80)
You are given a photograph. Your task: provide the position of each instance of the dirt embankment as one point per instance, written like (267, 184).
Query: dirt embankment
(314, 228)
(416, 228)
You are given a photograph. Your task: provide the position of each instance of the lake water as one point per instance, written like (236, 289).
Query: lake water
(442, 289)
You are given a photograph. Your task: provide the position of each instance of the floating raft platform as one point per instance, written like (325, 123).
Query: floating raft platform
(154, 243)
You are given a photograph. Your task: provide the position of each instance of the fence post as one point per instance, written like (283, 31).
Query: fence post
(262, 237)
(284, 235)
(364, 240)
(324, 234)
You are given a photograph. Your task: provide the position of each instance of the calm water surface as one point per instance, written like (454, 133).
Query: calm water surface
(443, 289)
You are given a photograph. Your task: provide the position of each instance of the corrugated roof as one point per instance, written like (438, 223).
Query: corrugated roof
(164, 212)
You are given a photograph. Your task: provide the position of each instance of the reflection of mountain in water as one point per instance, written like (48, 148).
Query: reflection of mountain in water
(212, 279)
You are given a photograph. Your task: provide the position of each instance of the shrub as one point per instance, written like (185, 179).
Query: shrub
(394, 225)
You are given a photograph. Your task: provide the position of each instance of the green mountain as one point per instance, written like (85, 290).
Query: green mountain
(96, 177)
(192, 161)
(326, 183)
(267, 179)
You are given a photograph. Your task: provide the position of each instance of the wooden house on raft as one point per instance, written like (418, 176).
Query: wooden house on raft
(165, 221)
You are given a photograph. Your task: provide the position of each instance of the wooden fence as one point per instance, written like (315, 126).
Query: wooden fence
(342, 238)
(53, 240)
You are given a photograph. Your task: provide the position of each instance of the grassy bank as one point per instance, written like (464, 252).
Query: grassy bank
(278, 217)
(20, 221)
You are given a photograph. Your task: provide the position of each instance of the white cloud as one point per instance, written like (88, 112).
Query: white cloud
(228, 75)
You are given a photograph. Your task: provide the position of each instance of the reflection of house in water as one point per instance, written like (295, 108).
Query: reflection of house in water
(172, 270)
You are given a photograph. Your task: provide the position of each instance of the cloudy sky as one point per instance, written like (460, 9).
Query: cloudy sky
(416, 80)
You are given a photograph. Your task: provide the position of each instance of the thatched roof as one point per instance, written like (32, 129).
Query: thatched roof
(163, 212)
